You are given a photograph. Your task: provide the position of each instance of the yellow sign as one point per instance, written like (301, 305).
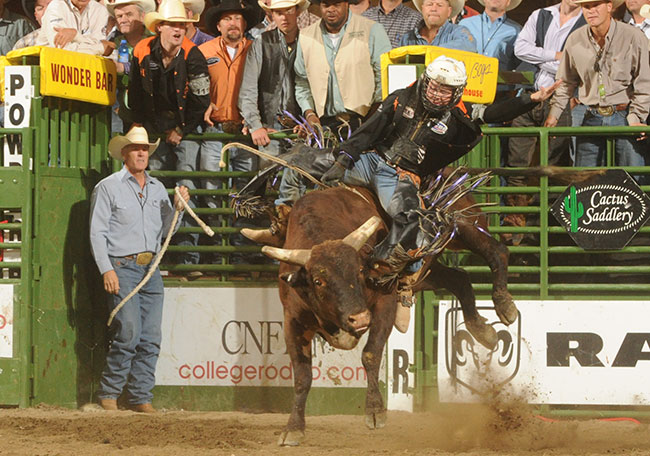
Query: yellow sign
(482, 71)
(74, 75)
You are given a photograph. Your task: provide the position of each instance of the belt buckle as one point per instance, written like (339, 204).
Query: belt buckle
(605, 110)
(143, 258)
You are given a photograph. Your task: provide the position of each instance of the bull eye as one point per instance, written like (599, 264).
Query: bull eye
(317, 282)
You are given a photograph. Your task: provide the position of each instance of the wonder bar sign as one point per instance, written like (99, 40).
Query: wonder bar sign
(77, 76)
(604, 212)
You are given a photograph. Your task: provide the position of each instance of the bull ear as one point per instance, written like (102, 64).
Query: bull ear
(294, 278)
(358, 237)
(298, 257)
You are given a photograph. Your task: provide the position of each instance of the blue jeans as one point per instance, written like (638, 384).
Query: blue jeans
(184, 157)
(135, 344)
(591, 151)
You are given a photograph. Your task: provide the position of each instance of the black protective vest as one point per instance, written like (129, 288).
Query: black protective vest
(423, 144)
(277, 65)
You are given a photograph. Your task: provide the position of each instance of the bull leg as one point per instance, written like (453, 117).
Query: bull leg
(298, 340)
(496, 255)
(383, 317)
(457, 282)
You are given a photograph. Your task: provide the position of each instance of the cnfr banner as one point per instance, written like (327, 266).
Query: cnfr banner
(482, 71)
(74, 75)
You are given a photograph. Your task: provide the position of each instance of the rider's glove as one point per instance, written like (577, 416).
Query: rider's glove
(336, 172)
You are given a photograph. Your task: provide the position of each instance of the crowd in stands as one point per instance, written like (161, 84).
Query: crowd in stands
(255, 67)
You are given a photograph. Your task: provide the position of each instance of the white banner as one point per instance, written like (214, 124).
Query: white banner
(18, 96)
(557, 352)
(401, 381)
(6, 320)
(234, 336)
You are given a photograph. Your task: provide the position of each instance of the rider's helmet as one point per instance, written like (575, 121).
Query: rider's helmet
(451, 75)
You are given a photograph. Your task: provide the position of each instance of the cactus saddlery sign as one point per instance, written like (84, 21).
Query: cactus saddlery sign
(603, 212)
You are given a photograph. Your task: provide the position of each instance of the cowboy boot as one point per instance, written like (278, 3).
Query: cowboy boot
(275, 234)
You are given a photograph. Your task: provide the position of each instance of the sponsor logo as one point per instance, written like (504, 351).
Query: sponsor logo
(468, 362)
(604, 212)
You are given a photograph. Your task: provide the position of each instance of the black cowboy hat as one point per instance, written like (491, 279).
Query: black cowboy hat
(213, 14)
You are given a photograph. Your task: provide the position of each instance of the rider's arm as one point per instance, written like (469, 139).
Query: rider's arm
(373, 130)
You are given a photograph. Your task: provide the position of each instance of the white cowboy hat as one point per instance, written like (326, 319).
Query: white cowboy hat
(147, 6)
(136, 135)
(456, 6)
(645, 11)
(168, 11)
(513, 4)
(281, 4)
(615, 3)
(196, 6)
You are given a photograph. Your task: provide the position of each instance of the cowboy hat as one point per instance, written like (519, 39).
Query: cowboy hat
(645, 11)
(615, 3)
(196, 6)
(456, 6)
(168, 11)
(136, 135)
(213, 14)
(302, 5)
(513, 4)
(148, 6)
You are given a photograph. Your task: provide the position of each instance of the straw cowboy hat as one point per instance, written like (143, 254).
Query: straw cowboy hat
(513, 4)
(456, 6)
(213, 15)
(168, 11)
(136, 135)
(148, 6)
(615, 3)
(195, 6)
(282, 4)
(645, 11)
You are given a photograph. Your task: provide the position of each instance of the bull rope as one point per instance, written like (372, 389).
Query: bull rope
(162, 251)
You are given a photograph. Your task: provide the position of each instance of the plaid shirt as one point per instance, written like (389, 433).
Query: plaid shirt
(397, 23)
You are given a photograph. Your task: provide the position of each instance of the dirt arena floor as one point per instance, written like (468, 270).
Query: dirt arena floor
(474, 431)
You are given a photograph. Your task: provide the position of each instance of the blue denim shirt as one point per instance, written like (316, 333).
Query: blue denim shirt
(450, 36)
(122, 222)
(495, 39)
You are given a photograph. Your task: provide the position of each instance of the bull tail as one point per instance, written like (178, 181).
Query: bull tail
(564, 176)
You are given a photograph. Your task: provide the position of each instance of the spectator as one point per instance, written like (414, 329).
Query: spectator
(169, 80)
(12, 28)
(76, 25)
(305, 19)
(495, 33)
(130, 212)
(193, 9)
(30, 39)
(635, 16)
(396, 18)
(608, 61)
(129, 17)
(338, 71)
(540, 43)
(359, 6)
(435, 28)
(268, 90)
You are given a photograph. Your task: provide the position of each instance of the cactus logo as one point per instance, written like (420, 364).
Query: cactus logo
(604, 212)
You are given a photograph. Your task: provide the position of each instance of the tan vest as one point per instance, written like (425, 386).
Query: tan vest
(354, 73)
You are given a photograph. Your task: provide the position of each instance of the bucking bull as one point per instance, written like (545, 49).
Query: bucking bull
(327, 287)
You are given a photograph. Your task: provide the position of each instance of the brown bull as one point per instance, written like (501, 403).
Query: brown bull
(324, 289)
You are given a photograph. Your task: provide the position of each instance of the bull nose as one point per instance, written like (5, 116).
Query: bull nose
(359, 321)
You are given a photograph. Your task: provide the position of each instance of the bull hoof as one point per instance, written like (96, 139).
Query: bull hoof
(291, 438)
(376, 420)
(505, 307)
(484, 334)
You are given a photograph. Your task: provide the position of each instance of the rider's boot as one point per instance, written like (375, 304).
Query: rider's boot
(275, 234)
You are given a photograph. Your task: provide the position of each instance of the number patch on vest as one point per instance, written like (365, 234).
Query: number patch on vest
(409, 112)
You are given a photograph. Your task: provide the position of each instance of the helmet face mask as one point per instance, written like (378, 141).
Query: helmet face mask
(441, 85)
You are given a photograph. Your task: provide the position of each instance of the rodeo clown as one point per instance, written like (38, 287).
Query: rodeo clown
(414, 134)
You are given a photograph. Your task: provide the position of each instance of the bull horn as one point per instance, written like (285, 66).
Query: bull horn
(358, 237)
(298, 257)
